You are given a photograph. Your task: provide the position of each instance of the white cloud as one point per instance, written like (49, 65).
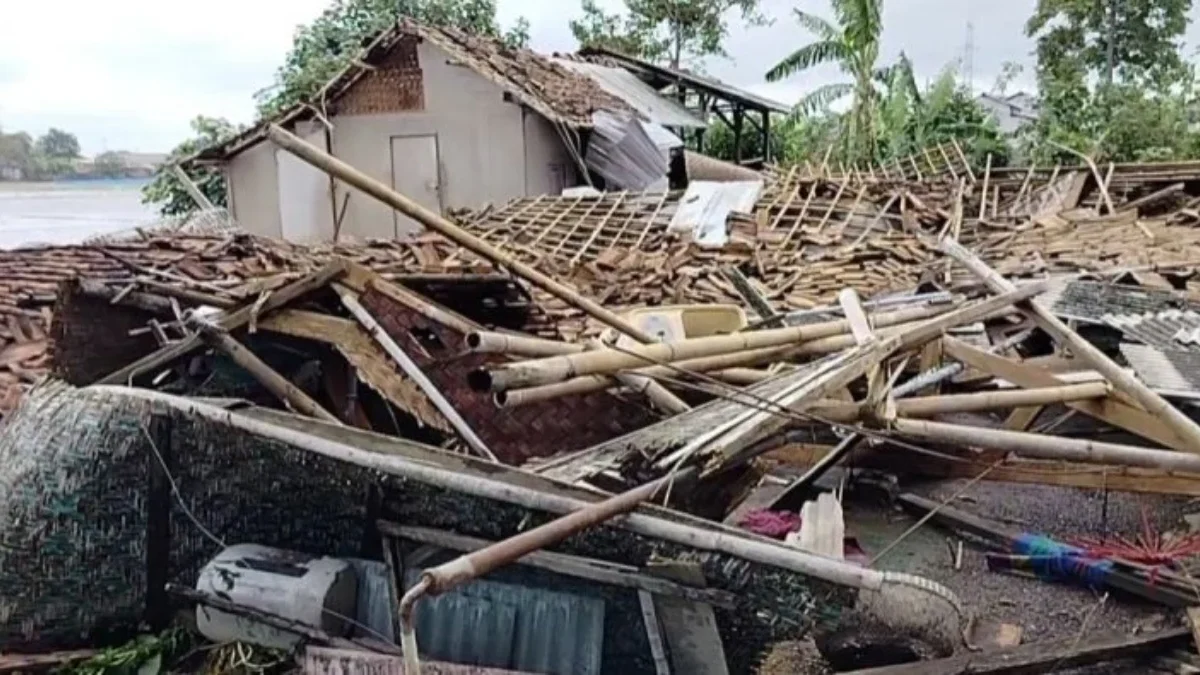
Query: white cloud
(130, 73)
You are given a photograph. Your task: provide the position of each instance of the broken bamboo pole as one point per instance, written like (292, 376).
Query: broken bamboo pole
(488, 342)
(413, 371)
(560, 368)
(659, 396)
(1039, 446)
(593, 383)
(1123, 381)
(277, 384)
(930, 406)
(355, 178)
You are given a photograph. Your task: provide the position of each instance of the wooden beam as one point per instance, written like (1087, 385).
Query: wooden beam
(228, 322)
(1025, 472)
(1039, 446)
(600, 571)
(413, 371)
(1108, 410)
(1041, 656)
(1168, 415)
(285, 391)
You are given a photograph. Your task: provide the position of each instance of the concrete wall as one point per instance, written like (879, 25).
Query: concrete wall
(254, 190)
(305, 212)
(489, 150)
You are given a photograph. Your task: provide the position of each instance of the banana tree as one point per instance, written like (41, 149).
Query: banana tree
(853, 45)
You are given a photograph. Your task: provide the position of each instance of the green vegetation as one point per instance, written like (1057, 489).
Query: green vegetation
(50, 156)
(1112, 79)
(165, 189)
(327, 45)
(676, 32)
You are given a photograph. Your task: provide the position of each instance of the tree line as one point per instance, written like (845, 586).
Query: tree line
(1112, 79)
(54, 154)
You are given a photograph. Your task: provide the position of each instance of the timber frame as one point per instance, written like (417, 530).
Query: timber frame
(743, 111)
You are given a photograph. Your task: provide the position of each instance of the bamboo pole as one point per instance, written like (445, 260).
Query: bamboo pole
(592, 383)
(930, 406)
(352, 176)
(1039, 446)
(191, 188)
(1184, 427)
(413, 371)
(658, 394)
(488, 342)
(277, 384)
(560, 368)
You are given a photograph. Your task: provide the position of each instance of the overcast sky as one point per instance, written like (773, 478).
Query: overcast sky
(129, 74)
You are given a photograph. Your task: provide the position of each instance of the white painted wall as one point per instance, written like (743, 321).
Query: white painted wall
(305, 213)
(254, 190)
(489, 151)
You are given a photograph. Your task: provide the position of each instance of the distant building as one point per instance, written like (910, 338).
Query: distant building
(1010, 112)
(141, 164)
(9, 170)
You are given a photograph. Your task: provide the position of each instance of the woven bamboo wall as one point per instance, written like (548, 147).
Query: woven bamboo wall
(513, 434)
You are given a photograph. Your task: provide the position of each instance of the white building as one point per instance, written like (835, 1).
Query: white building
(448, 119)
(1010, 112)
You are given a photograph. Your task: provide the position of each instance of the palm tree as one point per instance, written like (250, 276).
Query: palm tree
(853, 44)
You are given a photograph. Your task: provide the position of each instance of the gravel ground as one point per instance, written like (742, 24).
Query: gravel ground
(1044, 610)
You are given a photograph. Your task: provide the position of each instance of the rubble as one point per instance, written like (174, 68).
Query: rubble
(467, 403)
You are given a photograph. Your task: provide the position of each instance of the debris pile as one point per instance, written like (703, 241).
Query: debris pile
(768, 362)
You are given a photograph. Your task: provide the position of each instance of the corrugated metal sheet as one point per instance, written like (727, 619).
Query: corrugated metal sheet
(1170, 372)
(374, 613)
(624, 154)
(507, 626)
(1088, 301)
(705, 207)
(329, 661)
(1161, 330)
(636, 94)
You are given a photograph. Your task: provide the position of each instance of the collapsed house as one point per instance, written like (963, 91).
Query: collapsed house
(476, 419)
(454, 121)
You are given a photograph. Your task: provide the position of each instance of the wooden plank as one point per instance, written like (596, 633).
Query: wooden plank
(228, 322)
(1037, 657)
(690, 627)
(600, 571)
(1025, 472)
(364, 354)
(285, 391)
(654, 633)
(1106, 410)
(1193, 617)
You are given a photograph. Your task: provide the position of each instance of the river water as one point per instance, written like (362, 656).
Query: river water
(68, 212)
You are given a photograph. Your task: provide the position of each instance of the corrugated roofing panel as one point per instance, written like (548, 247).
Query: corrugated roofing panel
(508, 626)
(1170, 372)
(1162, 330)
(636, 94)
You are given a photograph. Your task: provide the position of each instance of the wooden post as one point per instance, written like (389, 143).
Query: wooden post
(228, 322)
(766, 135)
(351, 176)
(1040, 446)
(413, 371)
(277, 384)
(738, 115)
(191, 188)
(1125, 382)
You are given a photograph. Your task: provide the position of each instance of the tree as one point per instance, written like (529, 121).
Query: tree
(853, 45)
(1116, 40)
(58, 144)
(1009, 71)
(324, 47)
(672, 31)
(110, 164)
(164, 189)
